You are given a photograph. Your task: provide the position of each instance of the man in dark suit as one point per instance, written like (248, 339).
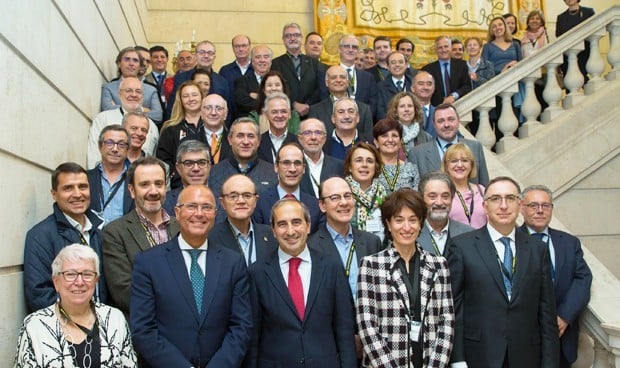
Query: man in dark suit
(451, 75)
(319, 166)
(396, 82)
(146, 226)
(428, 156)
(383, 47)
(238, 231)
(278, 112)
(109, 195)
(437, 189)
(361, 83)
(300, 300)
(337, 83)
(193, 165)
(301, 72)
(290, 166)
(190, 302)
(345, 118)
(423, 88)
(159, 64)
(248, 86)
(502, 289)
(241, 66)
(571, 274)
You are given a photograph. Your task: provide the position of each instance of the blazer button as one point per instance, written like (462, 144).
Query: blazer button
(301, 361)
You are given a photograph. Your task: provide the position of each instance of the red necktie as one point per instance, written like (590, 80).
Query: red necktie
(295, 287)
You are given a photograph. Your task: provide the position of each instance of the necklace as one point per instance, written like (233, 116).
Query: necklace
(86, 346)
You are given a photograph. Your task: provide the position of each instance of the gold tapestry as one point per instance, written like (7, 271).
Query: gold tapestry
(421, 21)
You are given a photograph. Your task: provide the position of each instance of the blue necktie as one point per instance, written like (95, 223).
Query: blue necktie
(446, 79)
(399, 85)
(196, 277)
(507, 271)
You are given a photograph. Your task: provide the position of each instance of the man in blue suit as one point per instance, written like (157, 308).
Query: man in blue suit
(190, 304)
(571, 274)
(300, 300)
(290, 167)
(423, 88)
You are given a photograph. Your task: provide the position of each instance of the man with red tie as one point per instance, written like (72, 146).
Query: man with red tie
(300, 300)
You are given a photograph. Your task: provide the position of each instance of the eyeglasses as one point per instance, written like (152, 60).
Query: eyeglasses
(128, 59)
(211, 108)
(535, 206)
(205, 52)
(348, 46)
(497, 199)
(289, 163)
(72, 275)
(195, 207)
(131, 90)
(188, 164)
(292, 35)
(308, 133)
(108, 143)
(234, 196)
(335, 198)
(455, 161)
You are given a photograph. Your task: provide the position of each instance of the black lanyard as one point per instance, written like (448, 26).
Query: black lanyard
(250, 248)
(468, 211)
(114, 189)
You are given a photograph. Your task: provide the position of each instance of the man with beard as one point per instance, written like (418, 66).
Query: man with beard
(437, 190)
(146, 226)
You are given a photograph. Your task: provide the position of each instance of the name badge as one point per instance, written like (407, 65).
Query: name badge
(414, 330)
(373, 223)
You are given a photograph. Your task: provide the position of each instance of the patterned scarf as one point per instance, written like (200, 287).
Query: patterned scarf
(366, 201)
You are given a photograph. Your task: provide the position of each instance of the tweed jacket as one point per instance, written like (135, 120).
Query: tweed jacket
(383, 302)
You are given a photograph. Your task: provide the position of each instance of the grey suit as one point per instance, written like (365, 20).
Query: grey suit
(324, 109)
(426, 156)
(264, 242)
(122, 240)
(455, 228)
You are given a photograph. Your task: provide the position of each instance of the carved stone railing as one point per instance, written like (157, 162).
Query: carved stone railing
(530, 69)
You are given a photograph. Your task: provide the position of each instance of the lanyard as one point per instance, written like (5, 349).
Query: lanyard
(347, 269)
(149, 236)
(113, 190)
(392, 183)
(251, 236)
(468, 212)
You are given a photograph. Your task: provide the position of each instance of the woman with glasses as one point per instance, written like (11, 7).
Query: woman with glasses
(272, 82)
(405, 313)
(395, 171)
(75, 331)
(459, 163)
(184, 124)
(405, 108)
(362, 166)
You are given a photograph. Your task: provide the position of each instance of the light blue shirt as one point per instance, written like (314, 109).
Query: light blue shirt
(114, 209)
(343, 245)
(245, 242)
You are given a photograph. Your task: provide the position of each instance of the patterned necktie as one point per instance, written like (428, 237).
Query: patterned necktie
(197, 278)
(399, 85)
(215, 150)
(446, 78)
(295, 287)
(351, 88)
(507, 272)
(425, 110)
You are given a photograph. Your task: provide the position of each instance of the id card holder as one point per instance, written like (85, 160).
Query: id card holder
(414, 330)
(373, 223)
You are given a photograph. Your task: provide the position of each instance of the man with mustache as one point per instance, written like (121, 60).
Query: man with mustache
(146, 226)
(437, 190)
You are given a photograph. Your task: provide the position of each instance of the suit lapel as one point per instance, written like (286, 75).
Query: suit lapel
(137, 232)
(274, 274)
(560, 255)
(488, 254)
(427, 280)
(522, 261)
(398, 281)
(179, 272)
(212, 276)
(432, 155)
(316, 279)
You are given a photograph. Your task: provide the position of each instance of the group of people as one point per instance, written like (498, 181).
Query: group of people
(287, 213)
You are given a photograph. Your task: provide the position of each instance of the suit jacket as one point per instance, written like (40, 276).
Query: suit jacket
(331, 167)
(365, 243)
(455, 228)
(264, 242)
(573, 280)
(365, 90)
(377, 73)
(489, 327)
(96, 194)
(122, 240)
(459, 79)
(242, 87)
(266, 151)
(324, 109)
(268, 198)
(426, 157)
(386, 89)
(324, 338)
(382, 311)
(303, 90)
(110, 99)
(167, 330)
(171, 200)
(429, 125)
